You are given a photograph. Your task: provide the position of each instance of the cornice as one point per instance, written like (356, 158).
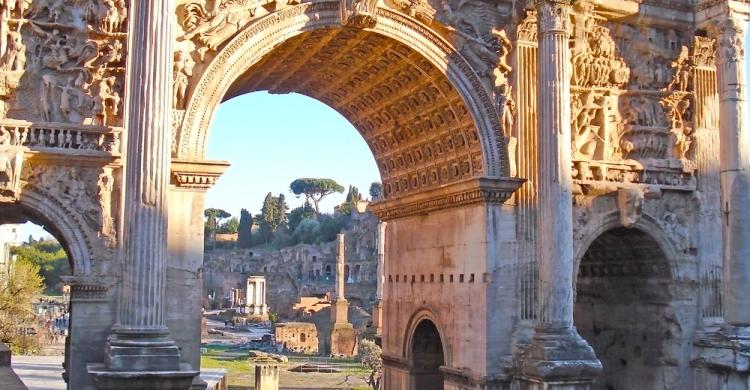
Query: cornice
(393, 361)
(493, 190)
(197, 174)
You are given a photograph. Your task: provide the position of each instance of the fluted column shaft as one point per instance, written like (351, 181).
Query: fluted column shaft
(147, 170)
(729, 33)
(554, 213)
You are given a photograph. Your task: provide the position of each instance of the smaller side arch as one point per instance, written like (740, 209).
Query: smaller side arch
(414, 321)
(61, 224)
(646, 224)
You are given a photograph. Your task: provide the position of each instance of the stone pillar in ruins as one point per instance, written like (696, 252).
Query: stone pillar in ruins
(343, 340)
(558, 353)
(140, 353)
(255, 301)
(377, 310)
(340, 305)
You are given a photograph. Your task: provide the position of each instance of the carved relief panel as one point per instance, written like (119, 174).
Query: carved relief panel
(64, 61)
(87, 195)
(632, 102)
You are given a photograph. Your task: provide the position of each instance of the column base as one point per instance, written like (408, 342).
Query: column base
(340, 311)
(344, 340)
(559, 358)
(105, 379)
(142, 354)
(724, 352)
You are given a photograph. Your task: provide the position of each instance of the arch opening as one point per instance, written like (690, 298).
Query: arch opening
(624, 310)
(412, 117)
(17, 214)
(427, 357)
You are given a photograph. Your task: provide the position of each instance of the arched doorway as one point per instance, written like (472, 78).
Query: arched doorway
(49, 330)
(623, 308)
(426, 357)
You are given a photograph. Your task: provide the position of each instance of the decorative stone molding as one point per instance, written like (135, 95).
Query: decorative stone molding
(197, 174)
(88, 288)
(61, 138)
(463, 193)
(393, 361)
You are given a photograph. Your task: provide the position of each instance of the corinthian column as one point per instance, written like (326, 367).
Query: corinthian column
(140, 353)
(729, 34)
(557, 351)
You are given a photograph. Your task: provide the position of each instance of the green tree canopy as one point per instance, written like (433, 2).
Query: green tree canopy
(20, 285)
(376, 190)
(272, 216)
(315, 189)
(230, 226)
(244, 230)
(369, 354)
(298, 214)
(213, 217)
(52, 261)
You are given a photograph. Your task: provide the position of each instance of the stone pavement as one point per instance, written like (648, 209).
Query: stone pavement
(40, 372)
(45, 373)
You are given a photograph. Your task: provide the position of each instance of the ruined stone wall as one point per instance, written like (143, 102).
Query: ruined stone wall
(301, 270)
(297, 337)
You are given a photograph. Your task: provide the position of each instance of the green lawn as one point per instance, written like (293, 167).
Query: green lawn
(241, 375)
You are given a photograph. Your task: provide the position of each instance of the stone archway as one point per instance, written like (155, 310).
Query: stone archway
(624, 310)
(418, 104)
(427, 356)
(88, 309)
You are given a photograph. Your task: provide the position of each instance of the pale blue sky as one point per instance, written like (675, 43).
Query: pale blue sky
(272, 139)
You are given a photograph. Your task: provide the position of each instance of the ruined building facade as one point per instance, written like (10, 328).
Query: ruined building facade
(565, 182)
(302, 270)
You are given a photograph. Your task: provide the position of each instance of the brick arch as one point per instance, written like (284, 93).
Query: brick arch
(418, 104)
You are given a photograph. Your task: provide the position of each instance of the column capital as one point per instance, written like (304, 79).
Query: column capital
(554, 16)
(729, 32)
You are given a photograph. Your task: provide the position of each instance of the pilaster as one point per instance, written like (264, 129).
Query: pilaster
(377, 310)
(557, 353)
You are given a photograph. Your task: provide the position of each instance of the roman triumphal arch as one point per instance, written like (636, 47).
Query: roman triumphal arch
(565, 181)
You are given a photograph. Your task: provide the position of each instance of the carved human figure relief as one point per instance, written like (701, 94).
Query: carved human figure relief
(105, 186)
(507, 109)
(212, 23)
(630, 204)
(421, 10)
(475, 28)
(358, 13)
(183, 70)
(14, 58)
(11, 163)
